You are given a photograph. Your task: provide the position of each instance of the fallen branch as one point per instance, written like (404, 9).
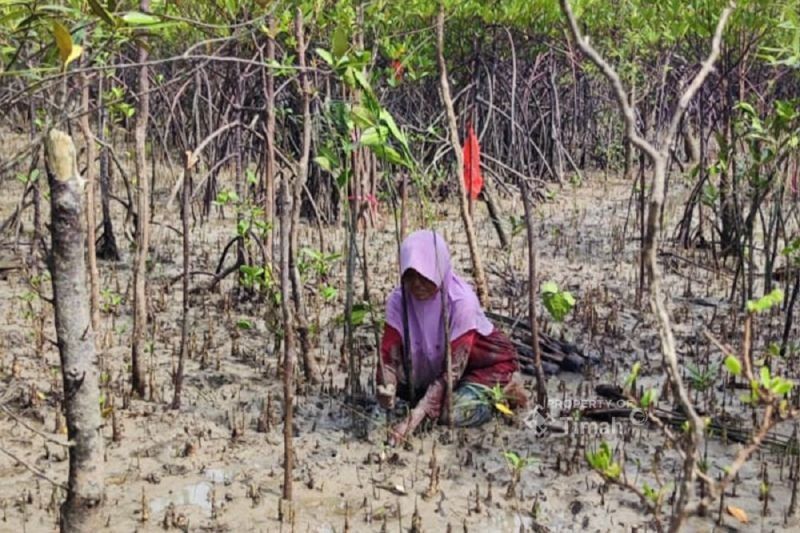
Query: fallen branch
(33, 470)
(46, 437)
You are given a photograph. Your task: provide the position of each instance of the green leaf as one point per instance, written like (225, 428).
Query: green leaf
(98, 9)
(558, 303)
(387, 119)
(549, 287)
(362, 117)
(374, 136)
(340, 41)
(781, 387)
(324, 163)
(328, 292)
(390, 155)
(136, 18)
(357, 315)
(343, 178)
(747, 108)
(613, 471)
(326, 56)
(766, 302)
(710, 194)
(362, 80)
(243, 323)
(765, 377)
(785, 110)
(733, 365)
(67, 50)
(633, 376)
(649, 398)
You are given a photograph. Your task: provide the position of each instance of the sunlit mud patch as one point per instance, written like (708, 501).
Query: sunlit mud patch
(196, 494)
(215, 475)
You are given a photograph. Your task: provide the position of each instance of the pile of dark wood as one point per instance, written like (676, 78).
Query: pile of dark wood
(557, 355)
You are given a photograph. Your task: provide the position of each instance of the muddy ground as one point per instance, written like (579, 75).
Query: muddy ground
(207, 468)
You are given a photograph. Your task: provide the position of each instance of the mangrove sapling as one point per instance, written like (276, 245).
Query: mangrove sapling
(516, 465)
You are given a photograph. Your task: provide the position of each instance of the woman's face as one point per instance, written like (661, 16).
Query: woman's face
(419, 286)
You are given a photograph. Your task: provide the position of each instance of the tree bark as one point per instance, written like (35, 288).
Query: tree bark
(81, 510)
(556, 159)
(184, 348)
(288, 339)
(269, 133)
(288, 343)
(477, 266)
(541, 382)
(90, 214)
(108, 244)
(138, 381)
(310, 366)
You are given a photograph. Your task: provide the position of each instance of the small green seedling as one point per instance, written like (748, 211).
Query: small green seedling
(603, 461)
(557, 302)
(702, 379)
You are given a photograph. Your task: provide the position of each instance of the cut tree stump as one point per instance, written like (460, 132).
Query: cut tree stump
(81, 510)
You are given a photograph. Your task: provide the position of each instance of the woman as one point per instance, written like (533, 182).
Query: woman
(482, 356)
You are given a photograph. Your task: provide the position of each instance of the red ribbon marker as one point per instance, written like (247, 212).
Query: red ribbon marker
(473, 180)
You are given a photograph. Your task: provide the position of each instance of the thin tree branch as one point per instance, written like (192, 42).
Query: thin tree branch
(24, 424)
(698, 80)
(35, 471)
(613, 77)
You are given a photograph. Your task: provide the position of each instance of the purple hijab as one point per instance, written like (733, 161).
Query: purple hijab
(426, 252)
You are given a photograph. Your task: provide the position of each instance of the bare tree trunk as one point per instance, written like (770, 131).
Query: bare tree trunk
(269, 132)
(108, 244)
(628, 173)
(494, 216)
(288, 344)
(309, 364)
(138, 380)
(288, 339)
(403, 204)
(729, 231)
(90, 215)
(81, 510)
(477, 266)
(691, 144)
(541, 383)
(37, 210)
(184, 349)
(37, 243)
(556, 158)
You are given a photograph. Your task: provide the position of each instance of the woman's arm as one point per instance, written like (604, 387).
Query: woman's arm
(431, 404)
(390, 369)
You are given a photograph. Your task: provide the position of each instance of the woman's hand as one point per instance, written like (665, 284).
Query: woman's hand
(386, 395)
(406, 428)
